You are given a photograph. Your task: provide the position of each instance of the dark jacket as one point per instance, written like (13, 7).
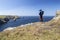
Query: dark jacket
(41, 13)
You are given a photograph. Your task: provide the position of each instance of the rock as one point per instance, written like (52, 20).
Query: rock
(57, 13)
(1, 22)
(15, 18)
(6, 19)
(12, 17)
(57, 17)
(55, 20)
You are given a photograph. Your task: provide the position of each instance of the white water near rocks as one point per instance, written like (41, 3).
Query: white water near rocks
(23, 21)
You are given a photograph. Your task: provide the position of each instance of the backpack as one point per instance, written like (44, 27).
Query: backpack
(41, 13)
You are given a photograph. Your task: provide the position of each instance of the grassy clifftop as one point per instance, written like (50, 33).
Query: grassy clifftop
(36, 31)
(32, 33)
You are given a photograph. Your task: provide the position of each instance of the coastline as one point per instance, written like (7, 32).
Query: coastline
(34, 31)
(12, 28)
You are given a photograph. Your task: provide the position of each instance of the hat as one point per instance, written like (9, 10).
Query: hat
(40, 10)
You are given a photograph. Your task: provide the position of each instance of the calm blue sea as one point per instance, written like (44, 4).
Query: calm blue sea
(24, 20)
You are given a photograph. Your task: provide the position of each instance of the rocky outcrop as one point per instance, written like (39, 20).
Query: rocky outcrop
(3, 21)
(57, 17)
(55, 21)
(7, 18)
(12, 17)
(57, 13)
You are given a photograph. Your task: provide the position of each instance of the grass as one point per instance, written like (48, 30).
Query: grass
(32, 32)
(49, 31)
(2, 16)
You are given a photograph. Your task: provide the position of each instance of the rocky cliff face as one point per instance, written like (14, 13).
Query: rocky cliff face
(58, 13)
(56, 20)
(5, 19)
(57, 17)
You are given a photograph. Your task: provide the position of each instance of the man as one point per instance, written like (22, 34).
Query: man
(41, 15)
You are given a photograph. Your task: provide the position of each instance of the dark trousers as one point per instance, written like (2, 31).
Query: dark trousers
(41, 18)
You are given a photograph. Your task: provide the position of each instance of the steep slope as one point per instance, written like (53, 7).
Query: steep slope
(55, 21)
(36, 31)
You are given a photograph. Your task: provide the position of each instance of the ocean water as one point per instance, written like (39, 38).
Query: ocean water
(24, 20)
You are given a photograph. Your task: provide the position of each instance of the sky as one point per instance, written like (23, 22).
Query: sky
(29, 7)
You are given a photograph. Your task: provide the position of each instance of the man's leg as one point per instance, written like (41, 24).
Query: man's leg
(41, 18)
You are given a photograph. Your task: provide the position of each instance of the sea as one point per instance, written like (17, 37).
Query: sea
(24, 20)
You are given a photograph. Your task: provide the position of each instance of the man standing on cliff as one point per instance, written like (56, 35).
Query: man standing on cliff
(41, 15)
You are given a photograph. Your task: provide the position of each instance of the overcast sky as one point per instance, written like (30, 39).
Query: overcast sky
(29, 7)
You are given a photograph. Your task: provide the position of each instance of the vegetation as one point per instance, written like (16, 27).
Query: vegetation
(2, 16)
(8, 16)
(37, 31)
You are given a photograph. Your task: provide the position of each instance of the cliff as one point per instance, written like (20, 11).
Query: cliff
(58, 13)
(35, 31)
(56, 20)
(6, 18)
